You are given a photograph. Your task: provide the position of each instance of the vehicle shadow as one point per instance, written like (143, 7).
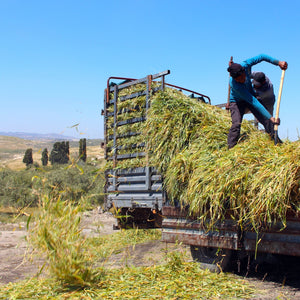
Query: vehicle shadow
(280, 269)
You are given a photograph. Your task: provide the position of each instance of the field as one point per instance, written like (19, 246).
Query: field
(134, 266)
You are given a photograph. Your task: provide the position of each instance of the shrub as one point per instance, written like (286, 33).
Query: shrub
(19, 188)
(16, 188)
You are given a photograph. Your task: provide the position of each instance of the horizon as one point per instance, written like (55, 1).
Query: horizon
(51, 136)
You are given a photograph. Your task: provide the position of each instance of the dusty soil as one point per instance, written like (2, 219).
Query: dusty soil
(268, 282)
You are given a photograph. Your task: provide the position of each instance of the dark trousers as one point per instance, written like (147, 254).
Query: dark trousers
(237, 110)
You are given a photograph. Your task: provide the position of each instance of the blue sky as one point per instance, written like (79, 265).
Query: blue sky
(56, 56)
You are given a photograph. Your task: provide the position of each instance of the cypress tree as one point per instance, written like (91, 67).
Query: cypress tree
(54, 155)
(68, 149)
(27, 159)
(60, 153)
(65, 152)
(82, 149)
(45, 157)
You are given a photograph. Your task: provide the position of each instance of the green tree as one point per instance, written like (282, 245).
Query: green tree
(68, 148)
(45, 157)
(60, 153)
(82, 149)
(27, 159)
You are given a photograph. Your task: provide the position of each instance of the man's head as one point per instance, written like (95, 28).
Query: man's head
(259, 78)
(237, 72)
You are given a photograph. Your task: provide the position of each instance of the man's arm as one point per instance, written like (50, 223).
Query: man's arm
(264, 57)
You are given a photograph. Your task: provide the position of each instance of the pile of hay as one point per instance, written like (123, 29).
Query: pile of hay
(255, 182)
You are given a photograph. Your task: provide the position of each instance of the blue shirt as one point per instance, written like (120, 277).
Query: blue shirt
(244, 91)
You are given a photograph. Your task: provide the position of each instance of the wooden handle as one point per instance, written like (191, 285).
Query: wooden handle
(279, 98)
(228, 96)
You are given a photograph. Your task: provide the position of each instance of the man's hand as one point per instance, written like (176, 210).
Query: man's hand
(275, 121)
(283, 65)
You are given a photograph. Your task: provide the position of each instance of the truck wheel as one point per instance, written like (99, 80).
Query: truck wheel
(214, 259)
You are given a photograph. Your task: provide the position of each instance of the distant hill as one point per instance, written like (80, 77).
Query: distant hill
(14, 145)
(38, 136)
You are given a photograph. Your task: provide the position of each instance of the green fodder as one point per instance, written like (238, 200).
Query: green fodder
(56, 234)
(173, 278)
(175, 121)
(104, 246)
(255, 182)
(176, 279)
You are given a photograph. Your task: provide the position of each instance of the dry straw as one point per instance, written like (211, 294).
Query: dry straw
(255, 182)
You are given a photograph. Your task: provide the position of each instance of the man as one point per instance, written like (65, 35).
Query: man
(264, 93)
(242, 97)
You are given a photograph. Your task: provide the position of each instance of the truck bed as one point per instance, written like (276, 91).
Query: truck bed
(178, 227)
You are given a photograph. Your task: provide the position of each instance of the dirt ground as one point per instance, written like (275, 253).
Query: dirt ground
(13, 267)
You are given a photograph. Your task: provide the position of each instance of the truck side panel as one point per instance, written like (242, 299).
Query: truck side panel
(133, 188)
(177, 227)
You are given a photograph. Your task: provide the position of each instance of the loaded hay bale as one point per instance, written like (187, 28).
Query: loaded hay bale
(254, 183)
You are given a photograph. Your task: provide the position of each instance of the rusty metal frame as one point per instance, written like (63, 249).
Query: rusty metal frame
(190, 91)
(178, 227)
(107, 84)
(132, 188)
(163, 83)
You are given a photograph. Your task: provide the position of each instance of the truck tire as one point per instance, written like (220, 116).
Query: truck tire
(214, 259)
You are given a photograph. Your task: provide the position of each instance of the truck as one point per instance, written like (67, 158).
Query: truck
(137, 196)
